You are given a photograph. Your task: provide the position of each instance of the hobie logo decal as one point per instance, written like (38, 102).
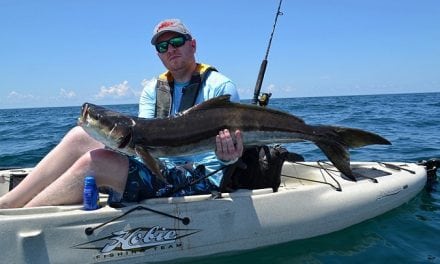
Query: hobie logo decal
(139, 239)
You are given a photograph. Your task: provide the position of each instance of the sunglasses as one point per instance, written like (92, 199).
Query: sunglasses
(176, 42)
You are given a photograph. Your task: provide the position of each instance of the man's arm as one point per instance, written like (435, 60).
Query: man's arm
(147, 101)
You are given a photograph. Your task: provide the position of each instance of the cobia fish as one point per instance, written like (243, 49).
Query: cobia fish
(194, 131)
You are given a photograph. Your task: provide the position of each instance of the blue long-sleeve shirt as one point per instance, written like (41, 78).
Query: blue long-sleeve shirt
(215, 84)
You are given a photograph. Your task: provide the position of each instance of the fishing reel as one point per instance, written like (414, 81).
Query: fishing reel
(263, 100)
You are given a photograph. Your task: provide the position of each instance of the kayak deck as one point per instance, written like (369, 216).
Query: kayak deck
(313, 199)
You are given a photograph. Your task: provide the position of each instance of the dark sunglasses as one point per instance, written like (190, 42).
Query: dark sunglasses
(176, 42)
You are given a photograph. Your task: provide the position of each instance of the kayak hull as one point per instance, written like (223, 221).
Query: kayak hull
(313, 200)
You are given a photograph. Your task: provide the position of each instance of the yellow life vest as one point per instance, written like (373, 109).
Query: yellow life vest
(165, 88)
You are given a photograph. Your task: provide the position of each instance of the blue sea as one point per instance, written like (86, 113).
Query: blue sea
(408, 234)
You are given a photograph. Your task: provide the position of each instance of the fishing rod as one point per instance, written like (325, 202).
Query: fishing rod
(264, 64)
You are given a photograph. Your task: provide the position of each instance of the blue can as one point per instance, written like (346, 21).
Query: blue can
(90, 194)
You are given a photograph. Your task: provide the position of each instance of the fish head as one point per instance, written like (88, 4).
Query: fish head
(113, 129)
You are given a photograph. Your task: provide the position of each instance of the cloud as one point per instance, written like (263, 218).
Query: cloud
(16, 95)
(115, 91)
(278, 91)
(66, 94)
(271, 88)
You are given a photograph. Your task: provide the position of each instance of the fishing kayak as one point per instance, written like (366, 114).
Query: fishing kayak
(313, 199)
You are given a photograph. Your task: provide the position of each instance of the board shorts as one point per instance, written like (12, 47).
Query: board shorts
(142, 184)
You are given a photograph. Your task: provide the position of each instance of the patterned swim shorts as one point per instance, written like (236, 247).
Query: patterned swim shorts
(142, 184)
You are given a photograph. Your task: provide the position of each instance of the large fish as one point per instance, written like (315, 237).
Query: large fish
(194, 130)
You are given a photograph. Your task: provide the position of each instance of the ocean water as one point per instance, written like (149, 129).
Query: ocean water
(408, 234)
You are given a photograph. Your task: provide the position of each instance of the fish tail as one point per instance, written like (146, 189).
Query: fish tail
(355, 138)
(338, 154)
(335, 142)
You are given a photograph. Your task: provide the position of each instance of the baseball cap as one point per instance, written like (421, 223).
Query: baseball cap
(169, 25)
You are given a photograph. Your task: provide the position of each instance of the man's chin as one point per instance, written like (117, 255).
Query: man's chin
(175, 65)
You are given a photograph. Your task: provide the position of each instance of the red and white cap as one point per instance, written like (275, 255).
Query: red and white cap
(169, 25)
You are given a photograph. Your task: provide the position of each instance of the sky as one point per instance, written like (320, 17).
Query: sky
(65, 53)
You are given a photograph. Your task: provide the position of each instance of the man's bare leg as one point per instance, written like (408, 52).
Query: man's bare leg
(53, 165)
(108, 167)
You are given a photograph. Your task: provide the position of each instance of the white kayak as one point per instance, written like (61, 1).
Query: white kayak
(313, 200)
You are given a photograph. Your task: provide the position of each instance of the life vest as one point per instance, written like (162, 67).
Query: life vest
(165, 88)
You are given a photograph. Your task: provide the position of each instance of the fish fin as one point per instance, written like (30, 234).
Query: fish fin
(223, 101)
(151, 162)
(211, 103)
(338, 154)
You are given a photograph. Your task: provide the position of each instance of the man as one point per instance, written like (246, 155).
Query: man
(58, 178)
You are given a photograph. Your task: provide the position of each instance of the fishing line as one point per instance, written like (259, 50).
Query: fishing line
(264, 62)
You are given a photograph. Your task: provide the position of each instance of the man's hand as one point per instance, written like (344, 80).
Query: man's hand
(229, 147)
